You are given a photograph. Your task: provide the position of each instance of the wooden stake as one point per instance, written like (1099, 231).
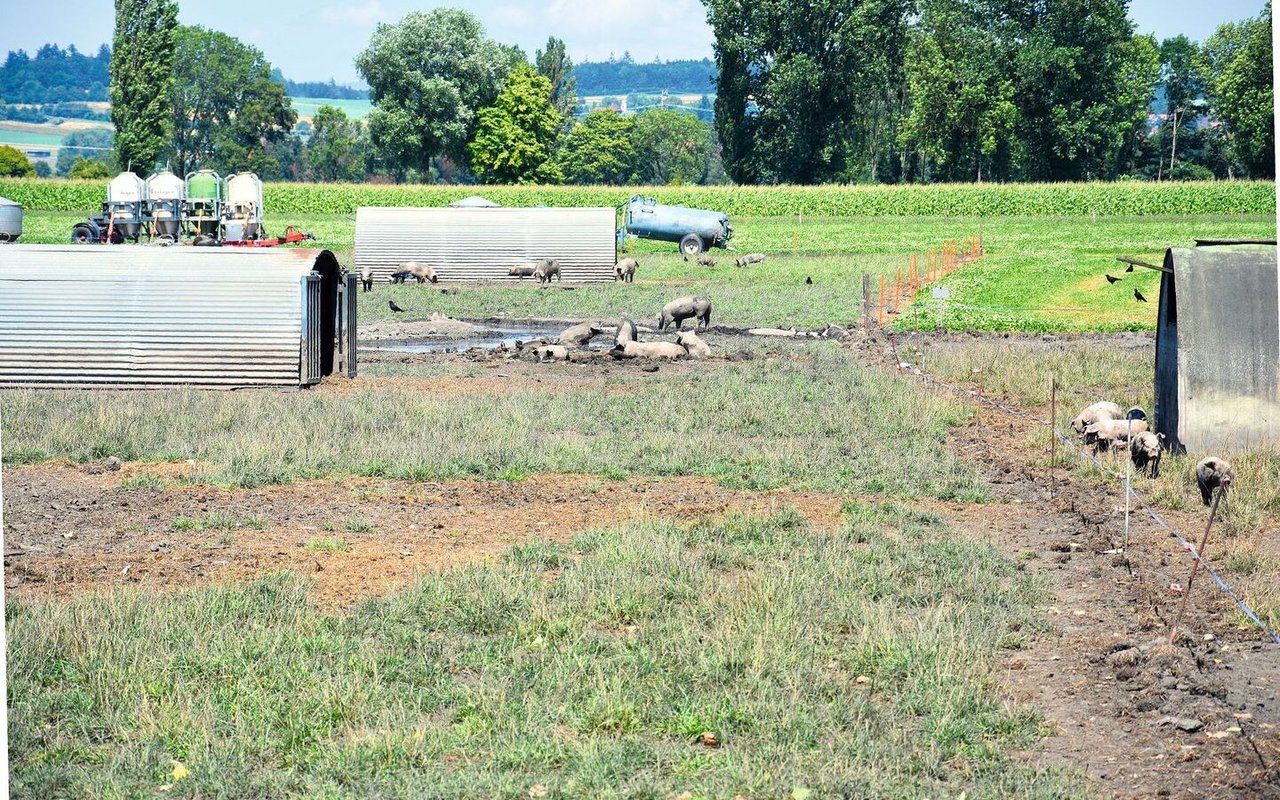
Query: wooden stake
(880, 307)
(1053, 435)
(866, 300)
(1195, 565)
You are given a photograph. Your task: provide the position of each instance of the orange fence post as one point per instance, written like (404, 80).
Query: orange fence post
(897, 292)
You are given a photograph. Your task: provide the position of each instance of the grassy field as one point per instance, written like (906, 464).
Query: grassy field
(738, 656)
(308, 106)
(1040, 274)
(817, 421)
(29, 138)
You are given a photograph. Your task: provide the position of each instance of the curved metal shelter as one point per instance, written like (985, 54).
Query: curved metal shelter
(1218, 346)
(76, 315)
(481, 244)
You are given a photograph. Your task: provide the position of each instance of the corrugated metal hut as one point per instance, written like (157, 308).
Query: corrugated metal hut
(1218, 346)
(479, 244)
(77, 315)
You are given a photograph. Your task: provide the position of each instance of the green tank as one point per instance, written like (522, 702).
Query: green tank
(203, 185)
(202, 207)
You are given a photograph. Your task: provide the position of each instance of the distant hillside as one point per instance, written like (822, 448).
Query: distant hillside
(330, 89)
(625, 76)
(54, 75)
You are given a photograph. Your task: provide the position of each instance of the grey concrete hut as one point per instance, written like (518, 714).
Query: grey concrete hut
(1217, 381)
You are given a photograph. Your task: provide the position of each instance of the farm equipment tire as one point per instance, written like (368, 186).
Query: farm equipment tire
(691, 244)
(83, 234)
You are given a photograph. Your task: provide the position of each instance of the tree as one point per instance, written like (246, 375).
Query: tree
(42, 168)
(554, 65)
(1236, 63)
(94, 143)
(514, 136)
(142, 69)
(598, 149)
(14, 163)
(88, 168)
(671, 146)
(428, 75)
(796, 81)
(1081, 80)
(962, 110)
(334, 151)
(227, 112)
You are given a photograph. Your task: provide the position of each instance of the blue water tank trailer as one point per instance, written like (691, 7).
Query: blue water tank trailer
(695, 229)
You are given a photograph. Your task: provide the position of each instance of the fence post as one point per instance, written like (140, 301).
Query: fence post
(880, 306)
(1195, 565)
(866, 300)
(1053, 435)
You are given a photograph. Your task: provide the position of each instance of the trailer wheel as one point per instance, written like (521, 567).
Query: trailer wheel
(691, 244)
(83, 234)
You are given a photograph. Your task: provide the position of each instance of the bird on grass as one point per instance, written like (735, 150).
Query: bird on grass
(808, 281)
(1137, 295)
(1112, 279)
(1130, 269)
(394, 307)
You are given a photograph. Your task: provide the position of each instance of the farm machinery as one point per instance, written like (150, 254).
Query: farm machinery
(211, 210)
(695, 229)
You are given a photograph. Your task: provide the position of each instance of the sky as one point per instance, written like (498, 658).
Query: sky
(318, 39)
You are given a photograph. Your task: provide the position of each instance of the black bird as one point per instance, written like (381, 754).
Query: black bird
(394, 307)
(1112, 279)
(1137, 295)
(1130, 268)
(808, 281)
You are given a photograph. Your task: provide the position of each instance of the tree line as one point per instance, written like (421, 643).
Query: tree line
(965, 90)
(448, 104)
(834, 91)
(55, 75)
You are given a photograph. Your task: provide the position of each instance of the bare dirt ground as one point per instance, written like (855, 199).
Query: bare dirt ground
(1140, 717)
(69, 530)
(1143, 718)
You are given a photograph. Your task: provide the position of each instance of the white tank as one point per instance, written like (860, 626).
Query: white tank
(10, 220)
(244, 188)
(166, 186)
(126, 188)
(242, 207)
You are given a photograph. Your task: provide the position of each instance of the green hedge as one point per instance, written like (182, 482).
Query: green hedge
(1126, 198)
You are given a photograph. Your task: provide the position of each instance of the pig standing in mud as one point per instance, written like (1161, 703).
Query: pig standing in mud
(522, 271)
(678, 311)
(627, 331)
